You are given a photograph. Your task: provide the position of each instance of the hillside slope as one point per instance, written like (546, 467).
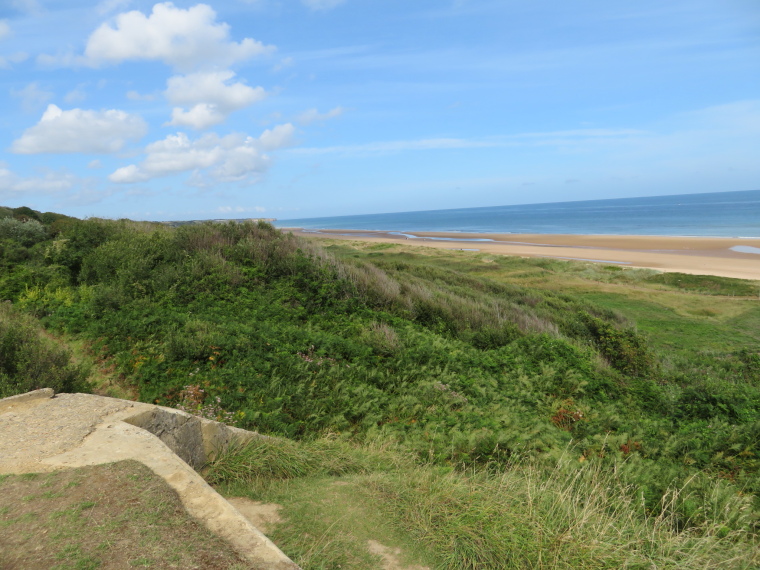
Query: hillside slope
(460, 367)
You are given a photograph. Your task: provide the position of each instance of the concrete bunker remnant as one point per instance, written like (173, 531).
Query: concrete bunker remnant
(196, 440)
(46, 432)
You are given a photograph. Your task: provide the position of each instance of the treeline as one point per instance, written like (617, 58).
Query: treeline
(248, 324)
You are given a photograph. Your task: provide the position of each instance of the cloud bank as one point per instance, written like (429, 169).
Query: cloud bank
(184, 39)
(79, 130)
(209, 97)
(232, 158)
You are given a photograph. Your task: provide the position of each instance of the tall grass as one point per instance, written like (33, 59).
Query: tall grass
(526, 514)
(532, 517)
(270, 458)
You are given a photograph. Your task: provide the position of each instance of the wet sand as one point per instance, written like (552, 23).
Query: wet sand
(726, 257)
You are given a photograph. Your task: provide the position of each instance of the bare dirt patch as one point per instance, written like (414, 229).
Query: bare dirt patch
(262, 515)
(391, 557)
(115, 516)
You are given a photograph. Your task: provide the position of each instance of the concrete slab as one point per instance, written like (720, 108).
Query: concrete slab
(41, 432)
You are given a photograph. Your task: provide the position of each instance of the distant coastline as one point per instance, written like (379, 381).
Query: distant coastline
(720, 256)
(718, 214)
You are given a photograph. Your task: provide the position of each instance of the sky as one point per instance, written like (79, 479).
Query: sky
(306, 108)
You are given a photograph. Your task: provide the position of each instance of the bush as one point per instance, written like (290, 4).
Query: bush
(26, 233)
(25, 213)
(625, 349)
(30, 362)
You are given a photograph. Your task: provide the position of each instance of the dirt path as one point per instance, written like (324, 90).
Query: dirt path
(391, 557)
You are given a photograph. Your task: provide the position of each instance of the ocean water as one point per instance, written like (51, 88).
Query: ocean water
(719, 214)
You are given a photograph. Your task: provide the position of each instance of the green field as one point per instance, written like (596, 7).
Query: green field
(489, 411)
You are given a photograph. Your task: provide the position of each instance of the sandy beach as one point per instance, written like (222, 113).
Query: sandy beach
(726, 257)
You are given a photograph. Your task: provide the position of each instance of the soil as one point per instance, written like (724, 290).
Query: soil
(391, 557)
(262, 515)
(114, 516)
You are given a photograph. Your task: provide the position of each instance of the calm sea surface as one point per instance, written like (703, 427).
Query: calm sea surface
(725, 214)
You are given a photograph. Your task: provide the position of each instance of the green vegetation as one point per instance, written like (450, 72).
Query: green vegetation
(336, 497)
(29, 361)
(483, 373)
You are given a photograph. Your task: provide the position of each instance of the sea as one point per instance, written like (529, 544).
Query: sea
(716, 214)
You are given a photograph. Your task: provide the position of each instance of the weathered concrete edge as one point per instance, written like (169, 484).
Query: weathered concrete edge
(10, 401)
(196, 440)
(116, 438)
(198, 497)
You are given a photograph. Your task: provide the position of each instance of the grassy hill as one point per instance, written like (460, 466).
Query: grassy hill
(450, 386)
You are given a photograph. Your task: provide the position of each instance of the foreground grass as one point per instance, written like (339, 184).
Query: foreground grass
(336, 497)
(114, 516)
(332, 522)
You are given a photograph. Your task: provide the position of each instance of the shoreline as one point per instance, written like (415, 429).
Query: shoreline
(694, 255)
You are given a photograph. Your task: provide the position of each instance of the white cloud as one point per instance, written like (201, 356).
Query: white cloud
(280, 136)
(199, 117)
(223, 159)
(128, 175)
(32, 97)
(185, 39)
(212, 87)
(12, 185)
(318, 5)
(312, 115)
(79, 130)
(209, 96)
(5, 29)
(240, 162)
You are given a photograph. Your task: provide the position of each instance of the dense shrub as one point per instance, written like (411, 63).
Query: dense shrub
(28, 361)
(26, 233)
(625, 349)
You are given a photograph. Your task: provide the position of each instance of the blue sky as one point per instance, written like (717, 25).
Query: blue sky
(306, 108)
